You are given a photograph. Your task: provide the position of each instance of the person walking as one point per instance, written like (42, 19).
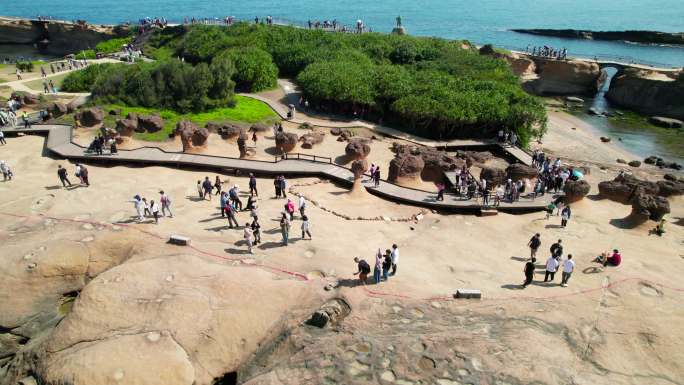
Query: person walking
(568, 268)
(256, 230)
(285, 228)
(534, 244)
(305, 227)
(6, 171)
(276, 185)
(138, 204)
(2, 138)
(557, 249)
(165, 203)
(254, 138)
(302, 206)
(206, 186)
(565, 216)
(154, 208)
(230, 213)
(386, 265)
(395, 258)
(18, 72)
(217, 185)
(529, 273)
(82, 173)
(234, 195)
(249, 237)
(551, 268)
(290, 208)
(283, 186)
(200, 190)
(253, 185)
(377, 269)
(363, 270)
(376, 176)
(62, 174)
(223, 202)
(440, 191)
(25, 118)
(146, 207)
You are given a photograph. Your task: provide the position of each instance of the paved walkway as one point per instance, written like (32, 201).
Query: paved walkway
(59, 141)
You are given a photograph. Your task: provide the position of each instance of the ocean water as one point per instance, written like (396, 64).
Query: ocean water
(481, 21)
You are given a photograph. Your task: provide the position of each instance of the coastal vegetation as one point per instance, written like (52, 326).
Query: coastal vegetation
(432, 87)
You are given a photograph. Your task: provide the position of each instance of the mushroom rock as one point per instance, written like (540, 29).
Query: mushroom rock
(191, 135)
(576, 190)
(28, 98)
(308, 140)
(357, 148)
(57, 109)
(437, 162)
(126, 127)
(89, 117)
(519, 171)
(229, 131)
(150, 123)
(336, 131)
(476, 157)
(359, 167)
(286, 141)
(625, 187)
(405, 166)
(494, 176)
(646, 206)
(259, 128)
(242, 144)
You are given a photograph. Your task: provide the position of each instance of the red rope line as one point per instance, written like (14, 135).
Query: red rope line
(369, 292)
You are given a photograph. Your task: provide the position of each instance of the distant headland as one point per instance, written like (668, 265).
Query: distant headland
(647, 37)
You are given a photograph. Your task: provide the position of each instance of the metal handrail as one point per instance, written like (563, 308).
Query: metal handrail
(300, 156)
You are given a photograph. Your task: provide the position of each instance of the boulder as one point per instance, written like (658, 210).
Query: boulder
(605, 139)
(671, 177)
(126, 127)
(634, 163)
(29, 99)
(649, 206)
(191, 136)
(89, 117)
(226, 130)
(493, 176)
(576, 190)
(667, 188)
(357, 148)
(286, 141)
(331, 313)
(259, 128)
(312, 138)
(336, 131)
(405, 166)
(519, 171)
(651, 159)
(621, 161)
(476, 157)
(665, 122)
(57, 109)
(359, 167)
(625, 187)
(150, 123)
(71, 107)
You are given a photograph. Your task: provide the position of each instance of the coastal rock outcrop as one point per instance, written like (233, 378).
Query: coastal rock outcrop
(286, 141)
(57, 109)
(576, 190)
(129, 125)
(625, 187)
(225, 130)
(357, 148)
(648, 92)
(564, 77)
(436, 162)
(519, 171)
(312, 138)
(89, 117)
(665, 122)
(405, 166)
(651, 207)
(494, 176)
(648, 37)
(191, 136)
(150, 123)
(259, 128)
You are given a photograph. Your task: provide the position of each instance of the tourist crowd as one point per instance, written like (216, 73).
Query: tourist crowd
(548, 52)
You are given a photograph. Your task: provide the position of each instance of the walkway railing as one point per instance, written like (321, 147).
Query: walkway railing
(299, 156)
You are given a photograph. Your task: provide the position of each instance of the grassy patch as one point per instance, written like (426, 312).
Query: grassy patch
(161, 53)
(37, 84)
(246, 110)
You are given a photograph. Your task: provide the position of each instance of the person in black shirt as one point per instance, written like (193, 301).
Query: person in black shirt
(529, 273)
(62, 173)
(534, 244)
(557, 249)
(364, 270)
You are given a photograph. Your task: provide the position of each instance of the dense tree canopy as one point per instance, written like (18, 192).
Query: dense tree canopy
(254, 68)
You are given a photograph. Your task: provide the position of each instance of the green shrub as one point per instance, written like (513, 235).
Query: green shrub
(85, 54)
(83, 80)
(254, 68)
(25, 66)
(112, 45)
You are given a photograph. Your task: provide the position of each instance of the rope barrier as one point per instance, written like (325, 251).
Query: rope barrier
(368, 291)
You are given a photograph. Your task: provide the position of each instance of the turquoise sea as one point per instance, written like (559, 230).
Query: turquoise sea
(480, 21)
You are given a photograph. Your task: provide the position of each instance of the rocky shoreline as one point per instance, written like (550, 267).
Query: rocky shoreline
(646, 37)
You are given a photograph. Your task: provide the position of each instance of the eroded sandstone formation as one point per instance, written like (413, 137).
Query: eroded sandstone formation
(310, 139)
(191, 136)
(648, 93)
(150, 123)
(405, 166)
(564, 77)
(519, 171)
(89, 117)
(286, 141)
(357, 148)
(576, 190)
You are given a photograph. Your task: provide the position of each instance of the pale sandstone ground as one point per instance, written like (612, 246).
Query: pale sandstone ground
(192, 316)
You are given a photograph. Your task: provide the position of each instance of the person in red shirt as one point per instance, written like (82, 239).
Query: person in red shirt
(613, 260)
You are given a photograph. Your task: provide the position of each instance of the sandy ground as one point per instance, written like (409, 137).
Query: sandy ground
(624, 333)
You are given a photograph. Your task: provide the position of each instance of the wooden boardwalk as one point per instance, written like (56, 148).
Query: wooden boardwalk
(59, 141)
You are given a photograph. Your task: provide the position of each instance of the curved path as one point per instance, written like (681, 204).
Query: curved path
(59, 141)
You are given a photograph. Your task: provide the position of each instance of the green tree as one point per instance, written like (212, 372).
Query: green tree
(254, 68)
